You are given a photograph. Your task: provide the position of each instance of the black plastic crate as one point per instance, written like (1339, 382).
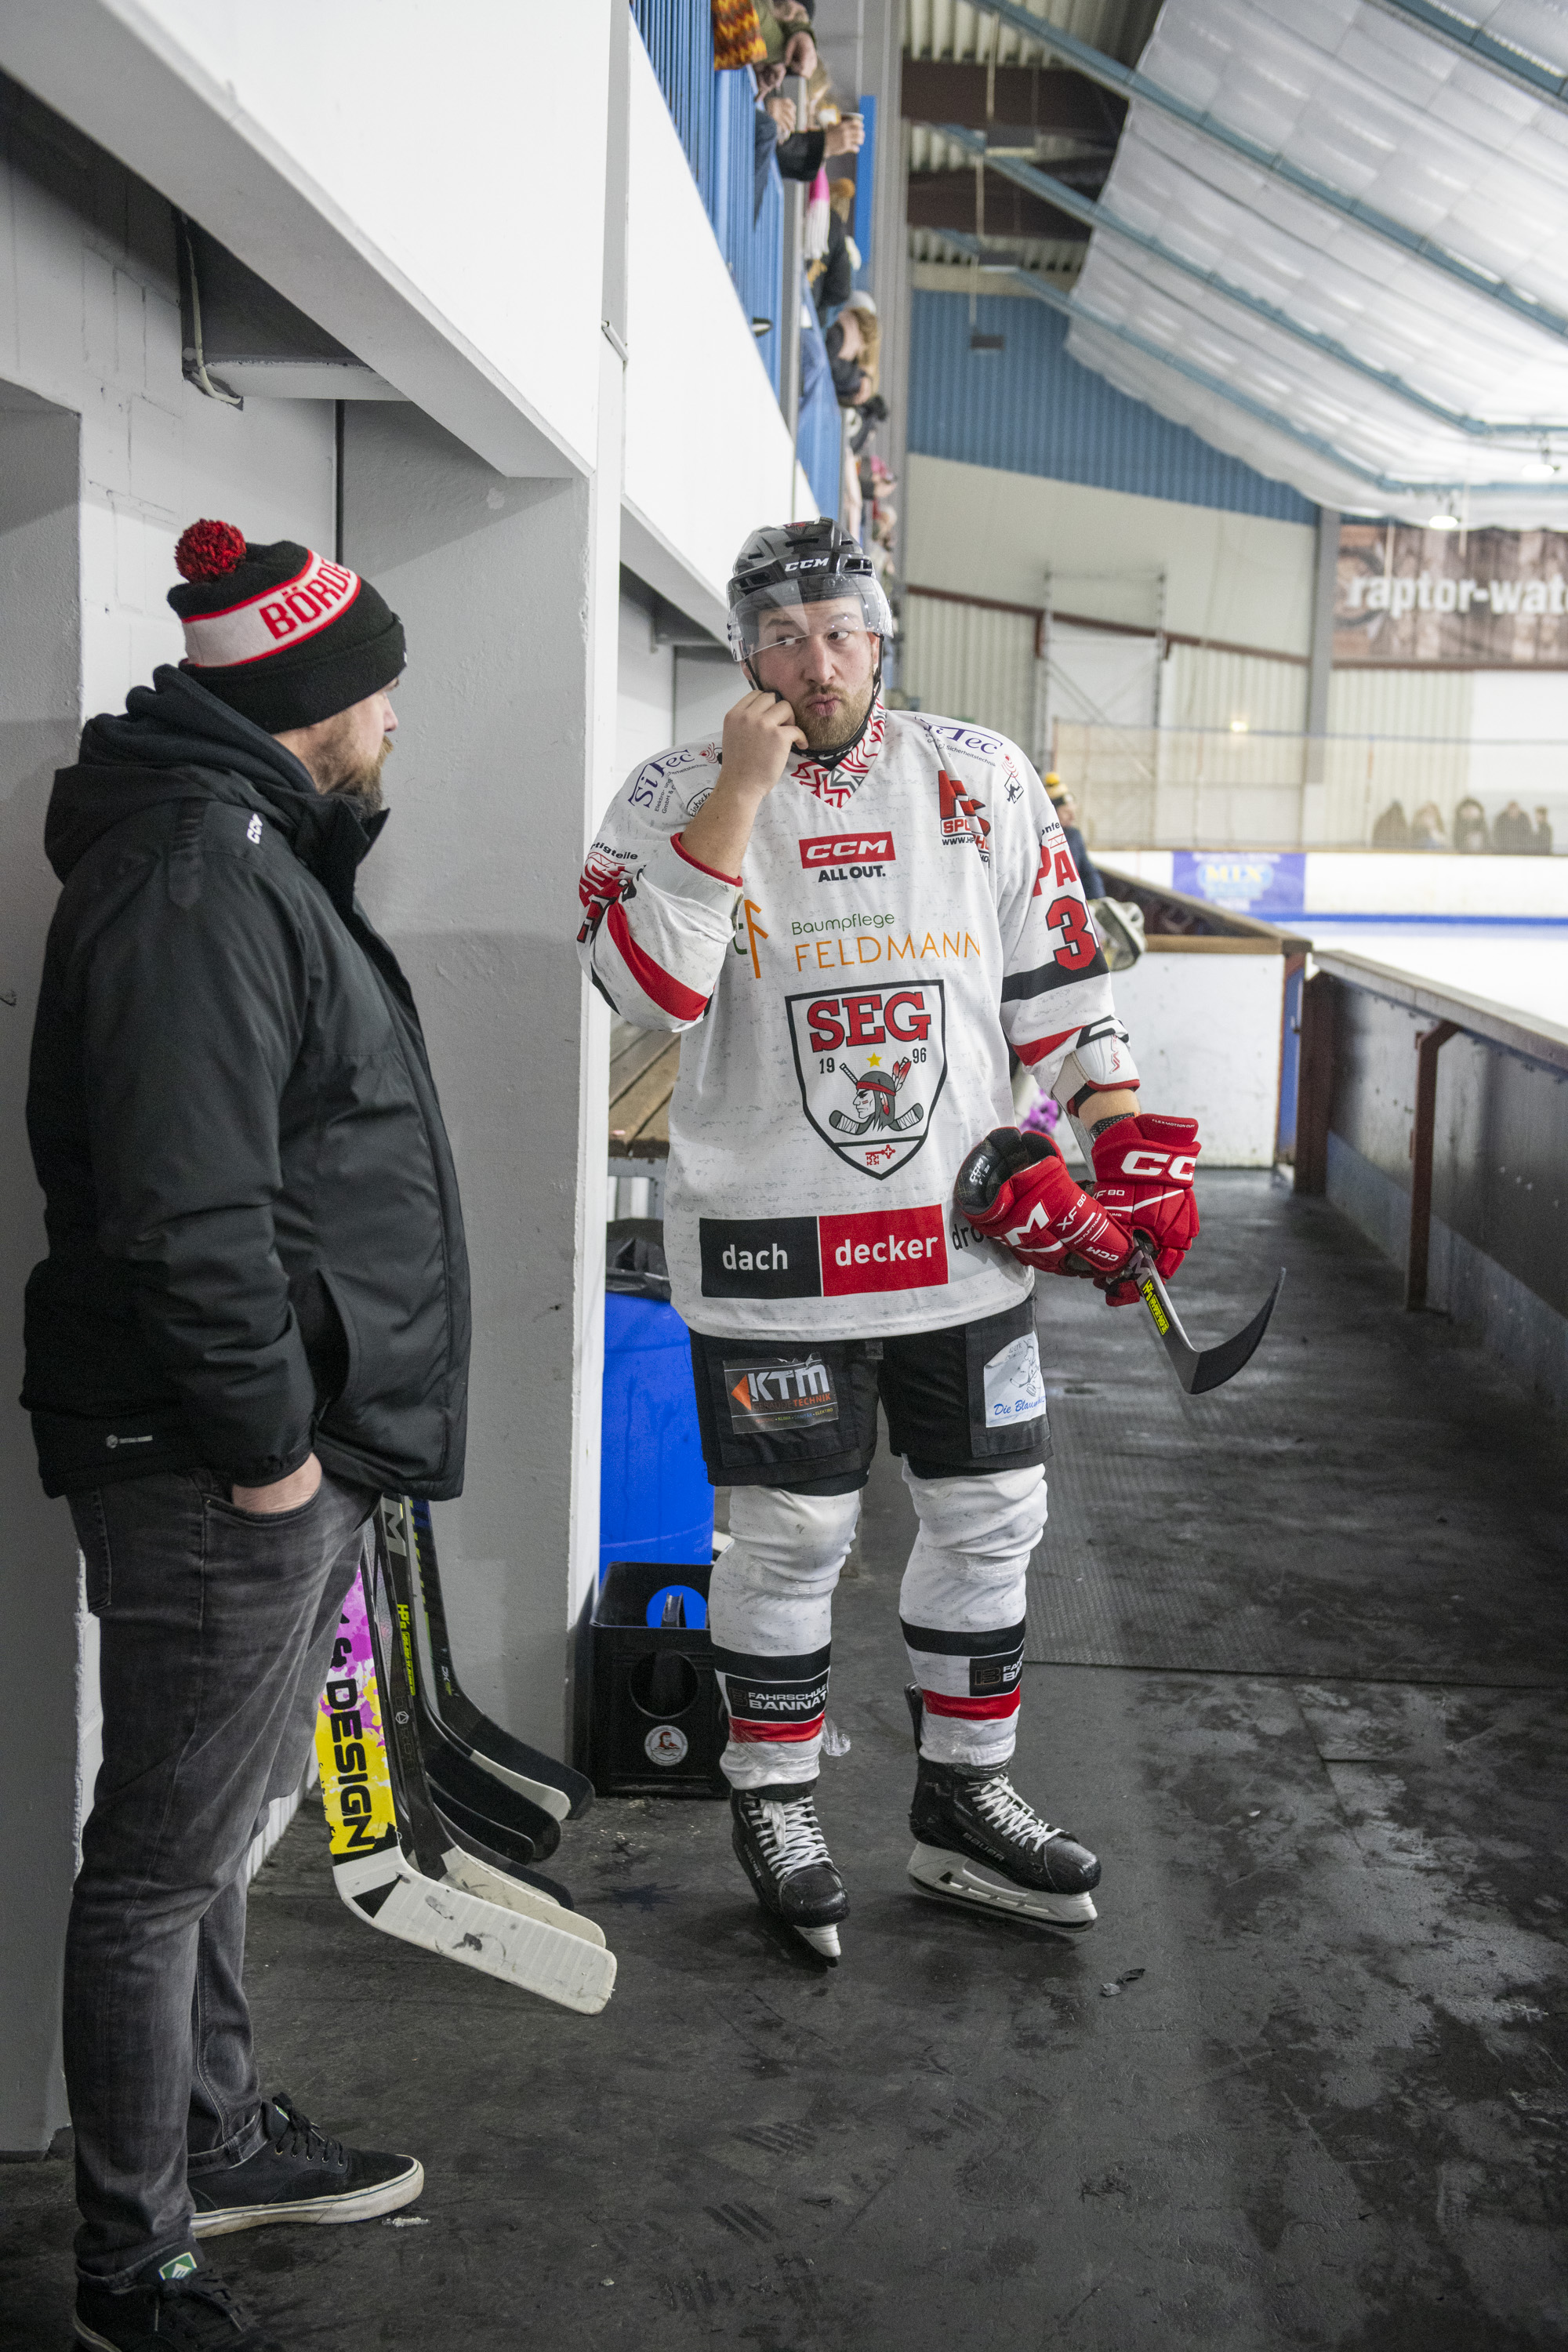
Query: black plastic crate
(657, 1727)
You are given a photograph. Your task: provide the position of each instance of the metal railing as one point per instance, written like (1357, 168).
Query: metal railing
(714, 115)
(714, 118)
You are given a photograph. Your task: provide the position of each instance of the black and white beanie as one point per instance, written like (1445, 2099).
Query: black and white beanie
(278, 633)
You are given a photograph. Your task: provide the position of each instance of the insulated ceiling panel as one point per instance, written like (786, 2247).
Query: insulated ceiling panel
(1354, 93)
(953, 29)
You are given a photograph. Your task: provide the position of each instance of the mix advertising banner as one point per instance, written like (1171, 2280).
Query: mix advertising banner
(1471, 600)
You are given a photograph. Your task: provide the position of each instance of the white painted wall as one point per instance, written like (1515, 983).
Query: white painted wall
(457, 152)
(1206, 1032)
(986, 532)
(645, 697)
(707, 452)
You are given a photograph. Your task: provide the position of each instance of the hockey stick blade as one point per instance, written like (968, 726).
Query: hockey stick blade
(501, 1816)
(394, 1864)
(1201, 1368)
(555, 1787)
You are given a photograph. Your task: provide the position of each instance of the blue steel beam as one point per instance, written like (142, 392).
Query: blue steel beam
(1483, 48)
(1071, 308)
(1098, 216)
(1111, 74)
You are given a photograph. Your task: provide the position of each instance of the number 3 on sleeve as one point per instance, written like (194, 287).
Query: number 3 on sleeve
(1080, 945)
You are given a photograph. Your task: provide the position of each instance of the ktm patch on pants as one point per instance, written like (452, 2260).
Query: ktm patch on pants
(793, 1394)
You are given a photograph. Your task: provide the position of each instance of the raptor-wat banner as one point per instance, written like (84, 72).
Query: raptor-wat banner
(1472, 600)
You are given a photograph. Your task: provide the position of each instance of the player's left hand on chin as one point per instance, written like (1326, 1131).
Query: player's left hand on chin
(1143, 1178)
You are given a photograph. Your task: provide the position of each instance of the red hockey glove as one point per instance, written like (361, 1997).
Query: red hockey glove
(1016, 1190)
(1143, 1178)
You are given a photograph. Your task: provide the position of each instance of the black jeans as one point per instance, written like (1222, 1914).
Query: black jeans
(216, 1626)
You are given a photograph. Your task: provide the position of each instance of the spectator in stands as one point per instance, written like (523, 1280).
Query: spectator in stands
(1392, 830)
(1542, 844)
(854, 349)
(801, 154)
(1066, 808)
(1427, 830)
(786, 28)
(1470, 827)
(1514, 832)
(833, 277)
(798, 153)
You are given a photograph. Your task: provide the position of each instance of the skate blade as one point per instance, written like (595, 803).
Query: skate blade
(824, 1941)
(953, 1878)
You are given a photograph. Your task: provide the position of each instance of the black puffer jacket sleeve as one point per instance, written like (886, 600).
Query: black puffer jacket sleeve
(193, 1019)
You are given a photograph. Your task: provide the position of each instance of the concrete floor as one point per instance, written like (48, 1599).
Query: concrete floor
(1306, 2083)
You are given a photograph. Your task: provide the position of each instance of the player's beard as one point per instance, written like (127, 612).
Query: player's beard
(842, 724)
(360, 786)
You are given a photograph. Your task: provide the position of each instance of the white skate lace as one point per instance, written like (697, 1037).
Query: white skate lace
(792, 1833)
(1008, 1812)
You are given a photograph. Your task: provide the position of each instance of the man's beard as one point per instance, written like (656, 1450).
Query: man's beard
(361, 786)
(831, 734)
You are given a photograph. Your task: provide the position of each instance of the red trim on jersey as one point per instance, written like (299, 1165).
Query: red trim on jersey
(668, 993)
(1043, 1046)
(681, 851)
(744, 1729)
(973, 1710)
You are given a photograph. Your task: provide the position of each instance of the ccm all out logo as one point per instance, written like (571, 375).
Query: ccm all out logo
(871, 1064)
(848, 857)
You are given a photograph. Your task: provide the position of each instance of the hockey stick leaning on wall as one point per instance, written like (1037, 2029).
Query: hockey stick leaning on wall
(393, 1863)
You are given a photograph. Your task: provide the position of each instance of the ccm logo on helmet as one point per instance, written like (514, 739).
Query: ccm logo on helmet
(839, 849)
(1179, 1165)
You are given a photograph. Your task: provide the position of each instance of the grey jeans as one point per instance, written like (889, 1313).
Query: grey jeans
(215, 1626)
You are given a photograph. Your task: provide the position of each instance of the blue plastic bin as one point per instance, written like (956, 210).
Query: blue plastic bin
(655, 1501)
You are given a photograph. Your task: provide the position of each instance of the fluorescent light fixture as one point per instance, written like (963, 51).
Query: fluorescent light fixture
(1443, 523)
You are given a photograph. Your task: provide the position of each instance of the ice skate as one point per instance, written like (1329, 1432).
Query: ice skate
(978, 1842)
(780, 1846)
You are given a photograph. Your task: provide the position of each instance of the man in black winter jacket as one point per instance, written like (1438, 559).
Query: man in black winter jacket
(253, 1318)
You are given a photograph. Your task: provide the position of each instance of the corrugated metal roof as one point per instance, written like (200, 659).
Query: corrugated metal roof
(951, 29)
(1032, 409)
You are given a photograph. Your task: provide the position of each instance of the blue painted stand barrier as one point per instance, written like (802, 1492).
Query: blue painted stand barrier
(655, 1501)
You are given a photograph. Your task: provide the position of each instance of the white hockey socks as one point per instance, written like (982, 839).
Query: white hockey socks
(962, 1608)
(769, 1612)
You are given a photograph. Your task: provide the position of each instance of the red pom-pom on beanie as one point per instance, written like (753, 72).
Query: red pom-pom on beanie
(207, 549)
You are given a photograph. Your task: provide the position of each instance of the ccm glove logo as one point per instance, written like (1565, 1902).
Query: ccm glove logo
(1179, 1166)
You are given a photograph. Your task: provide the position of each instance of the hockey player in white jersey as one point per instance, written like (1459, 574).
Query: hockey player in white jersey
(852, 913)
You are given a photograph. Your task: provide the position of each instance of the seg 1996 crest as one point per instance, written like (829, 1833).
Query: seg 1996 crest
(871, 1063)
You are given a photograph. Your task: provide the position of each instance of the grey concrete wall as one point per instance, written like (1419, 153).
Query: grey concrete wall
(40, 656)
(474, 881)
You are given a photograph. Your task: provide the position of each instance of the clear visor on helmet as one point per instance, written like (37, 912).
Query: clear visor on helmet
(790, 610)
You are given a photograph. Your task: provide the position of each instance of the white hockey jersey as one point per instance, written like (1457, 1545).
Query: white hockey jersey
(847, 1004)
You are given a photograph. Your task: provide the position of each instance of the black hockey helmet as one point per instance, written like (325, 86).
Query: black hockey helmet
(801, 564)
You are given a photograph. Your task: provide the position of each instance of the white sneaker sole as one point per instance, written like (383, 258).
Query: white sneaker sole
(954, 1878)
(363, 2205)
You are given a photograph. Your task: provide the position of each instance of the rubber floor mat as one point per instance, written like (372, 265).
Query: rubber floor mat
(1370, 1499)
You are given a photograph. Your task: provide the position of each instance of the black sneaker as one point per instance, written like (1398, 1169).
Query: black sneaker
(300, 2175)
(175, 2306)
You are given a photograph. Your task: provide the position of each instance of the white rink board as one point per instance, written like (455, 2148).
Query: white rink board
(1205, 1036)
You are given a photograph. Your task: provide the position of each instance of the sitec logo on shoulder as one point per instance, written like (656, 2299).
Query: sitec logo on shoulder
(849, 856)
